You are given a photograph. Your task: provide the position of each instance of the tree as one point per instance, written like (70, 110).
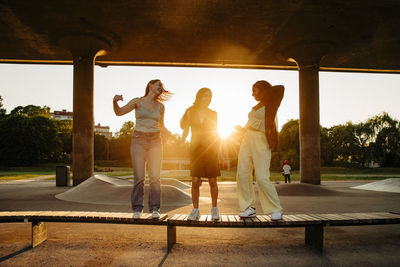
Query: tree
(120, 145)
(31, 110)
(2, 110)
(386, 148)
(101, 146)
(343, 142)
(288, 146)
(175, 147)
(64, 133)
(26, 140)
(326, 145)
(126, 129)
(363, 135)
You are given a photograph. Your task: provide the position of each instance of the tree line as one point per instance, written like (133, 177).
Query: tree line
(28, 135)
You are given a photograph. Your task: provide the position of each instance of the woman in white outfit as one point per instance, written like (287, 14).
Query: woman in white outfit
(260, 138)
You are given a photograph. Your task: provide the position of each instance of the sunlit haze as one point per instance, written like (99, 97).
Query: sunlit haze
(343, 96)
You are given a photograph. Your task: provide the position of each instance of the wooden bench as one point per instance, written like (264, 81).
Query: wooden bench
(314, 223)
(39, 219)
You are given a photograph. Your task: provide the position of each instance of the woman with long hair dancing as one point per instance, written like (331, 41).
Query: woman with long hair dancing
(146, 143)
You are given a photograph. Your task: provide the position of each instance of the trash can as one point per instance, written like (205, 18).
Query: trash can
(62, 176)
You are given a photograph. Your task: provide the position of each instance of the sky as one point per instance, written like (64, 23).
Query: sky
(343, 96)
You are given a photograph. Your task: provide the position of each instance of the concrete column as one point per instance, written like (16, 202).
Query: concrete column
(83, 127)
(309, 124)
(84, 49)
(307, 56)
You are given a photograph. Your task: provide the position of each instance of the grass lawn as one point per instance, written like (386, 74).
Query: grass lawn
(327, 173)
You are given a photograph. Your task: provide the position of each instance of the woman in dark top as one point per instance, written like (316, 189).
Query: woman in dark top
(204, 148)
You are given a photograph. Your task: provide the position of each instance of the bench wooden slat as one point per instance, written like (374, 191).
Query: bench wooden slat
(145, 216)
(224, 220)
(391, 214)
(266, 218)
(336, 217)
(372, 218)
(287, 218)
(261, 219)
(326, 217)
(310, 218)
(232, 219)
(247, 221)
(294, 217)
(203, 219)
(182, 217)
(174, 217)
(239, 221)
(385, 215)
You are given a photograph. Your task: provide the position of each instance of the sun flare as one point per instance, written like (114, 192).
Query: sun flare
(224, 130)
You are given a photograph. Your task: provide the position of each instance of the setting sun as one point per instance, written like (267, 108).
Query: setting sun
(224, 129)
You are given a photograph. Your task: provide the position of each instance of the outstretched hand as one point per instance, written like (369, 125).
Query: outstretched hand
(118, 98)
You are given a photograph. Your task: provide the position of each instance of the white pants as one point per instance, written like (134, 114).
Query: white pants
(255, 151)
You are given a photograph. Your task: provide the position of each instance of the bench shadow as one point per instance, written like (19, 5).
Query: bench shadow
(164, 259)
(15, 253)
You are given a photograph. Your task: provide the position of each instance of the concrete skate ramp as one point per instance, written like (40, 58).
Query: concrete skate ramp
(173, 182)
(102, 189)
(391, 185)
(165, 181)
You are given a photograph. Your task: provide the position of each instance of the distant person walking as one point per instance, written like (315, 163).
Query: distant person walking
(204, 146)
(286, 171)
(146, 143)
(259, 140)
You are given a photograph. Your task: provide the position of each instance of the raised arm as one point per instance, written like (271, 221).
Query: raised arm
(119, 111)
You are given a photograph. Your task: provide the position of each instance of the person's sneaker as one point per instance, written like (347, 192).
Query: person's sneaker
(249, 212)
(194, 215)
(136, 214)
(214, 214)
(276, 216)
(155, 214)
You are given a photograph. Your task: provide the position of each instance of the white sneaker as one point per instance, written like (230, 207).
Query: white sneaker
(136, 214)
(276, 216)
(194, 215)
(214, 214)
(155, 214)
(249, 212)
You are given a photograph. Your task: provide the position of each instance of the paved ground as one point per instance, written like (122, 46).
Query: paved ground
(131, 245)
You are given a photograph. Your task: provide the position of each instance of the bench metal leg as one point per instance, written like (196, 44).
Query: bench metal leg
(171, 236)
(39, 233)
(315, 237)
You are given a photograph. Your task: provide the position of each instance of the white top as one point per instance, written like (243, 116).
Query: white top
(257, 119)
(286, 169)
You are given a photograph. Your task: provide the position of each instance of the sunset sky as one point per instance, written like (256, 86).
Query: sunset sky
(343, 96)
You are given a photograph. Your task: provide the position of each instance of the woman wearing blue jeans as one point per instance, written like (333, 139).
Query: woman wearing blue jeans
(146, 143)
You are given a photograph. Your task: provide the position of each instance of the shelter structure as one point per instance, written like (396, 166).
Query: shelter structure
(304, 35)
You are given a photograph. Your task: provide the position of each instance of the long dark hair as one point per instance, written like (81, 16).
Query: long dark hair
(165, 95)
(200, 94)
(271, 97)
(184, 121)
